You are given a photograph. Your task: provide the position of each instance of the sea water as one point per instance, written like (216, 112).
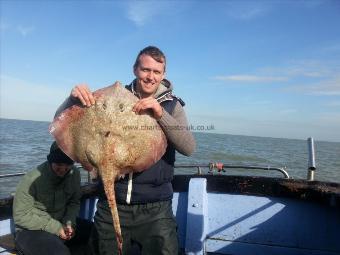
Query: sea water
(24, 144)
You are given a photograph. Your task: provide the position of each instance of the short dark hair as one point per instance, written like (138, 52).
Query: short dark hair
(153, 52)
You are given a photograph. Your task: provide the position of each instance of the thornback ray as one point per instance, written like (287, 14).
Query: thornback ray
(111, 138)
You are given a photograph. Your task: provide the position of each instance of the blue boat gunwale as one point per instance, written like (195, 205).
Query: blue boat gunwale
(315, 191)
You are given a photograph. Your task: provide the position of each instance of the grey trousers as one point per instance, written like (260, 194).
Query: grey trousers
(148, 229)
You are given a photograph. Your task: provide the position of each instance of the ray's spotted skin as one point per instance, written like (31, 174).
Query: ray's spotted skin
(107, 135)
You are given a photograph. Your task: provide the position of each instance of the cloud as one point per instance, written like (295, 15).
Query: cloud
(309, 77)
(308, 68)
(263, 102)
(335, 47)
(333, 104)
(250, 78)
(246, 10)
(311, 4)
(25, 30)
(289, 72)
(305, 72)
(140, 12)
(311, 68)
(249, 9)
(287, 111)
(329, 87)
(22, 30)
(4, 27)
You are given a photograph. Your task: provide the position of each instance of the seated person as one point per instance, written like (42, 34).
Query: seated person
(46, 205)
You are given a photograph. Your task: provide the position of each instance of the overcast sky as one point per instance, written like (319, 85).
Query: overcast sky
(261, 68)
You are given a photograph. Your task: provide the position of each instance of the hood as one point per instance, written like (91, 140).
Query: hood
(164, 88)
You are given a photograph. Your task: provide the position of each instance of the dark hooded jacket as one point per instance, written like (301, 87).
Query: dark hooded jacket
(45, 201)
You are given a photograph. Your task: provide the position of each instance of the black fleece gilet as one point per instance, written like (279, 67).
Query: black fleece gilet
(153, 184)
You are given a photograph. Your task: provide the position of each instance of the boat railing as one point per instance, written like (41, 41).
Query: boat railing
(12, 175)
(219, 167)
(213, 167)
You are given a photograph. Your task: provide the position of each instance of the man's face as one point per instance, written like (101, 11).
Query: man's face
(149, 75)
(60, 169)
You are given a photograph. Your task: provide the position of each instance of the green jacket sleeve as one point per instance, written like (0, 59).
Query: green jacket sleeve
(26, 215)
(73, 204)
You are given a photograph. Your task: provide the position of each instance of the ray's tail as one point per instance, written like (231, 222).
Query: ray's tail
(111, 198)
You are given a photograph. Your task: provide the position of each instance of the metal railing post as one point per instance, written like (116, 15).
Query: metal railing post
(311, 159)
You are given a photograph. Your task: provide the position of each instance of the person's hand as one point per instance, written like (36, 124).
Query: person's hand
(66, 232)
(149, 103)
(69, 231)
(62, 234)
(84, 94)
